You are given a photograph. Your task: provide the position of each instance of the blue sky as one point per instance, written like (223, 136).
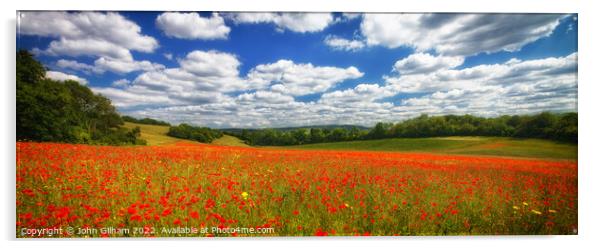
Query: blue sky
(284, 69)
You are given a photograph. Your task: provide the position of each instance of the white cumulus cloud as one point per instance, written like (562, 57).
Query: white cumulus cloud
(60, 76)
(86, 33)
(108, 36)
(296, 22)
(457, 34)
(300, 79)
(360, 93)
(120, 83)
(421, 63)
(103, 64)
(210, 77)
(553, 70)
(78, 66)
(338, 43)
(264, 97)
(125, 66)
(193, 26)
(202, 77)
(513, 87)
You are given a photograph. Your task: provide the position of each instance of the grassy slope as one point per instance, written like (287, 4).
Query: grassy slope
(154, 134)
(157, 135)
(460, 145)
(227, 140)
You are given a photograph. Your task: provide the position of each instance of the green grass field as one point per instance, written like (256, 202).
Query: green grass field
(494, 146)
(154, 134)
(157, 135)
(228, 140)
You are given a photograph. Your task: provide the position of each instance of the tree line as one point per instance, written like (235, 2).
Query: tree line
(299, 136)
(148, 121)
(545, 125)
(50, 110)
(200, 134)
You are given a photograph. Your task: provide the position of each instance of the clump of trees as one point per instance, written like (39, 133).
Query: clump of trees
(50, 110)
(148, 121)
(300, 136)
(201, 134)
(546, 125)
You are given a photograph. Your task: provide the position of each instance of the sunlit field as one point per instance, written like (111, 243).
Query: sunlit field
(156, 190)
(494, 146)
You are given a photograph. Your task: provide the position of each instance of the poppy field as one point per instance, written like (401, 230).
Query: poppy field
(186, 189)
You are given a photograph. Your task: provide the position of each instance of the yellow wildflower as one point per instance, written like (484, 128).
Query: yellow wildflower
(245, 195)
(515, 207)
(535, 211)
(526, 204)
(552, 211)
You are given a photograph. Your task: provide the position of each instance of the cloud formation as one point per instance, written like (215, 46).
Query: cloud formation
(513, 87)
(125, 66)
(208, 76)
(454, 34)
(553, 70)
(199, 71)
(103, 64)
(120, 83)
(422, 63)
(362, 93)
(77, 66)
(338, 43)
(87, 33)
(60, 76)
(289, 78)
(108, 36)
(296, 22)
(213, 88)
(192, 26)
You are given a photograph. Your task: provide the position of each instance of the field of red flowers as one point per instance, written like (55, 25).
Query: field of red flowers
(175, 190)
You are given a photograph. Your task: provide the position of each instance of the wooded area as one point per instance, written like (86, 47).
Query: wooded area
(200, 134)
(545, 125)
(148, 121)
(50, 110)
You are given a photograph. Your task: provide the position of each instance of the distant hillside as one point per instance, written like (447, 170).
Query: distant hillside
(157, 135)
(154, 134)
(327, 127)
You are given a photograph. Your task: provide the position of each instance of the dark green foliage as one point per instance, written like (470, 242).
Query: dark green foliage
(316, 135)
(119, 136)
(380, 130)
(566, 127)
(201, 134)
(49, 110)
(148, 121)
(29, 69)
(561, 127)
(300, 136)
